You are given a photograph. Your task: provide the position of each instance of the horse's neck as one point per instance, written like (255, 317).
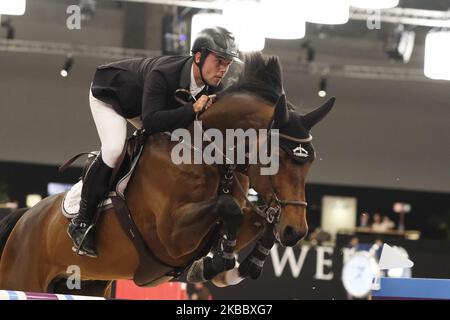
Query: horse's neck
(241, 111)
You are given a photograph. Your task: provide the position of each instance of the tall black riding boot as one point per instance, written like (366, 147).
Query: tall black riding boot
(95, 189)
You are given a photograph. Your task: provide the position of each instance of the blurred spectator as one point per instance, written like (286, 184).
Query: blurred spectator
(354, 242)
(353, 245)
(319, 236)
(377, 225)
(382, 223)
(388, 223)
(364, 219)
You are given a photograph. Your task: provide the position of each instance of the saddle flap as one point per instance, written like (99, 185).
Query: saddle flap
(123, 181)
(71, 202)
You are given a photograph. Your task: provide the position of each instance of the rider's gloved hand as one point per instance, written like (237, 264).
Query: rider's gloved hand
(204, 102)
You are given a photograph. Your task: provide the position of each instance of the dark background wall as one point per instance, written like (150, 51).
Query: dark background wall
(23, 179)
(382, 133)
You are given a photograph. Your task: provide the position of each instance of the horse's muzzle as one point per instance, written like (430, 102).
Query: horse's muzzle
(290, 236)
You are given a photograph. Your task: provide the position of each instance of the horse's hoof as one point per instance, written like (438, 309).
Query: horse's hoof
(195, 272)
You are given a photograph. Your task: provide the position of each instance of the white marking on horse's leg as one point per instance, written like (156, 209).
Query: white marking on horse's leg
(228, 278)
(232, 277)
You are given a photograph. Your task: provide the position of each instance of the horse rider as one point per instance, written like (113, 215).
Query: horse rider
(146, 93)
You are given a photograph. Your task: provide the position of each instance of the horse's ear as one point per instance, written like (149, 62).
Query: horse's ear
(281, 114)
(310, 119)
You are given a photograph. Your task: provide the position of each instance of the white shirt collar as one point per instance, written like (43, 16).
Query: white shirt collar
(194, 88)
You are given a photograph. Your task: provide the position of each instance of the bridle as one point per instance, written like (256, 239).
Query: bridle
(271, 211)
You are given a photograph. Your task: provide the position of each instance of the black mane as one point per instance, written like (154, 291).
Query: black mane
(261, 75)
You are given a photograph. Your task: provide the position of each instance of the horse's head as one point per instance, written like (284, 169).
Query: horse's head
(284, 191)
(249, 104)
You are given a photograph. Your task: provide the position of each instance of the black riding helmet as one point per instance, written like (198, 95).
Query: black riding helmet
(218, 40)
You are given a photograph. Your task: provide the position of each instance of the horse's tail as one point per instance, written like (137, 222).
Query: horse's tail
(7, 225)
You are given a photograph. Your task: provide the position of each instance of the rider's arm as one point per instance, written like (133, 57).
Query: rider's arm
(157, 116)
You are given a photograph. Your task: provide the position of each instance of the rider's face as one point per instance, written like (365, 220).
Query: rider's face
(215, 68)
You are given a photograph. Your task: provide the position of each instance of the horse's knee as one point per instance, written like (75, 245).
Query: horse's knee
(229, 212)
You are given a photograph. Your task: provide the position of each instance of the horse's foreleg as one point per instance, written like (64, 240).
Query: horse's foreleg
(252, 265)
(223, 258)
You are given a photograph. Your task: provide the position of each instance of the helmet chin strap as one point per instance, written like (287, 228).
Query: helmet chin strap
(203, 55)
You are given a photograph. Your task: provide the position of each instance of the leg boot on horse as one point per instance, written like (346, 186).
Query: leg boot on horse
(95, 188)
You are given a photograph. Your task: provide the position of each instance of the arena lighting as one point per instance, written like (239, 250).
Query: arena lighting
(322, 88)
(32, 199)
(399, 207)
(244, 20)
(326, 11)
(283, 19)
(248, 38)
(437, 53)
(13, 7)
(67, 66)
(402, 209)
(374, 4)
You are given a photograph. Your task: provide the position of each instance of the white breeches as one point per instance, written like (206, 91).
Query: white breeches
(111, 128)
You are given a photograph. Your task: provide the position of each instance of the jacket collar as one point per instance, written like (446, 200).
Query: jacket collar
(185, 77)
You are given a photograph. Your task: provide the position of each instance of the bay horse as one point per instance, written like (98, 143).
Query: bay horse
(176, 207)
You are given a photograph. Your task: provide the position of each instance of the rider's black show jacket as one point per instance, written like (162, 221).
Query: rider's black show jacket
(146, 87)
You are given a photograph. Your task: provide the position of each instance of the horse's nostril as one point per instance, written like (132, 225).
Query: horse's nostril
(290, 235)
(288, 231)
